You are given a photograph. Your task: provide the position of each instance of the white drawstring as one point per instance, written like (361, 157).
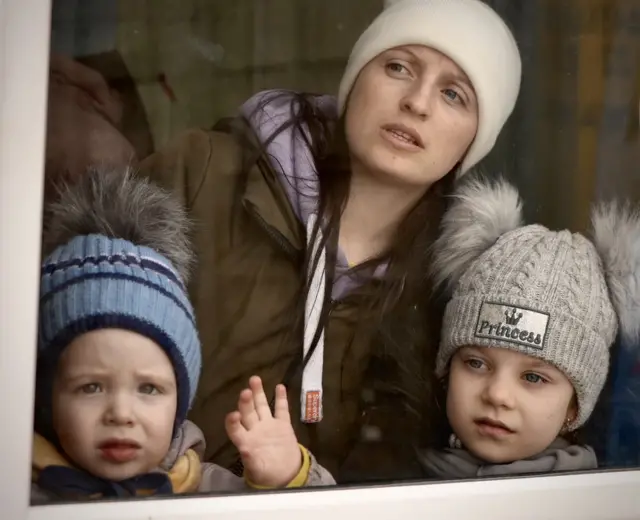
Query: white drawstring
(311, 394)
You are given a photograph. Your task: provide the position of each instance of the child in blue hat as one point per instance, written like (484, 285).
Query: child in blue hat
(119, 358)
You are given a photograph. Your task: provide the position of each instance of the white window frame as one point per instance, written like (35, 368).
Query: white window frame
(24, 50)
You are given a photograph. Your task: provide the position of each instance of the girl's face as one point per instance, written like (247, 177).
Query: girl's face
(411, 116)
(114, 403)
(505, 405)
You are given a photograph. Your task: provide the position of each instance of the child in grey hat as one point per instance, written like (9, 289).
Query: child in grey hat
(527, 331)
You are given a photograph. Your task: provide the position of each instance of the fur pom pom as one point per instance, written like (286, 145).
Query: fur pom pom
(481, 212)
(616, 235)
(119, 204)
(388, 3)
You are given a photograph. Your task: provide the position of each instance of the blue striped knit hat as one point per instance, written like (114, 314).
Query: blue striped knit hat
(123, 263)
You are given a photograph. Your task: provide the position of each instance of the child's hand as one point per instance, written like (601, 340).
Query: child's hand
(267, 444)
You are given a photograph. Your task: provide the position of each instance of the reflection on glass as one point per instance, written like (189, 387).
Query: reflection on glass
(298, 238)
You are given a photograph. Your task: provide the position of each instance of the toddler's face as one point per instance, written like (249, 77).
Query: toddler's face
(504, 405)
(114, 403)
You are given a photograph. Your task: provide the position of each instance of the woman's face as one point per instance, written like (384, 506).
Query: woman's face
(411, 116)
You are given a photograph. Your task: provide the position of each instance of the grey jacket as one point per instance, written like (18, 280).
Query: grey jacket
(458, 463)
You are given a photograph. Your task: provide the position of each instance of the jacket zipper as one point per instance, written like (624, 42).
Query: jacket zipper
(273, 233)
(286, 246)
(238, 467)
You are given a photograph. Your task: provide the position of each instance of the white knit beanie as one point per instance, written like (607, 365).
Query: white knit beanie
(467, 31)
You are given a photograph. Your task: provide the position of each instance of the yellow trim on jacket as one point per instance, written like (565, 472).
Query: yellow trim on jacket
(299, 480)
(185, 475)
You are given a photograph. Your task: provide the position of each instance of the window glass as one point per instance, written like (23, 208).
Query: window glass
(228, 195)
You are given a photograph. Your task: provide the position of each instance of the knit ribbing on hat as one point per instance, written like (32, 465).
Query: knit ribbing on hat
(96, 282)
(467, 31)
(543, 294)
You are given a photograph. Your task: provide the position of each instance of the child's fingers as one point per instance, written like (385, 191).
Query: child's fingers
(259, 398)
(247, 409)
(282, 404)
(235, 430)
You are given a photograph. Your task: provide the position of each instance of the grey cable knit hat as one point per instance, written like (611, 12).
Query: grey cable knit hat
(529, 289)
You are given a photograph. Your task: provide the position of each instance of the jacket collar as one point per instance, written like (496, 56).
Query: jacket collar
(54, 473)
(263, 196)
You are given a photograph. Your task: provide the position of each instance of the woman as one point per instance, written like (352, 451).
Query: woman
(313, 221)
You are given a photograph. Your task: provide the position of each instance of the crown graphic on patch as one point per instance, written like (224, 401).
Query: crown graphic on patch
(512, 318)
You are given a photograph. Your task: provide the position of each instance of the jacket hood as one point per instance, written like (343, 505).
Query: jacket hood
(292, 160)
(290, 155)
(188, 437)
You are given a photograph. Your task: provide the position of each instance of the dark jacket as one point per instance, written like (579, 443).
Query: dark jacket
(250, 242)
